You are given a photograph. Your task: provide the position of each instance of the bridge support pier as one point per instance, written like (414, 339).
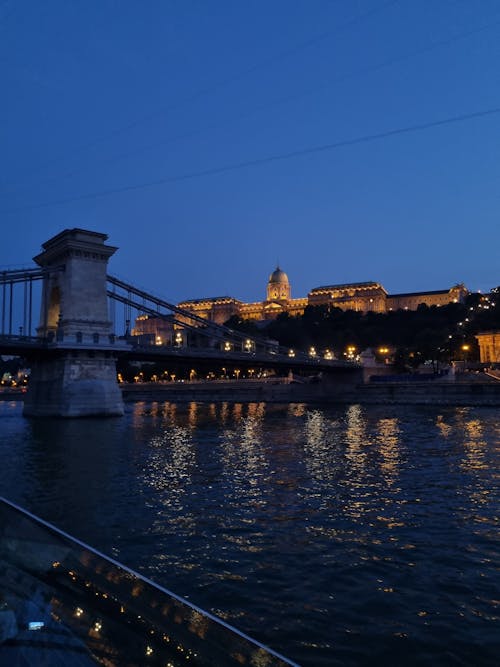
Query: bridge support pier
(74, 385)
(75, 375)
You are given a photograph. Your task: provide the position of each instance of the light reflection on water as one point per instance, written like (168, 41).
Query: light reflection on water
(338, 535)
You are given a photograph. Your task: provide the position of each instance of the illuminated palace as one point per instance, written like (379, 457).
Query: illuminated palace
(361, 297)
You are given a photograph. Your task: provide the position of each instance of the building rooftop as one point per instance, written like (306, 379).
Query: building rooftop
(211, 299)
(405, 294)
(347, 286)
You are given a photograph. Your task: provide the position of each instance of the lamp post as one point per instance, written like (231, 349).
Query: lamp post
(465, 350)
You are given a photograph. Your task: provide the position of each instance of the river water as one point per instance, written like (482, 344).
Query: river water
(343, 535)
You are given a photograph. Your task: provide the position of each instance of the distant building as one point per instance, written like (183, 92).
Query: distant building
(413, 300)
(361, 297)
(216, 309)
(489, 347)
(154, 330)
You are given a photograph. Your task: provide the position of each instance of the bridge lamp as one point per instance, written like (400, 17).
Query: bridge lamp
(158, 340)
(328, 355)
(351, 349)
(248, 345)
(227, 346)
(178, 338)
(291, 353)
(312, 351)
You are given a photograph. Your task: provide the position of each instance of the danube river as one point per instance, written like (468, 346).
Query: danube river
(337, 535)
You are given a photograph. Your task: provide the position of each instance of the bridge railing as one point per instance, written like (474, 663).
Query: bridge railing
(66, 599)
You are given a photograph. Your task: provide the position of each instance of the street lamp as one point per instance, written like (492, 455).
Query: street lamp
(465, 350)
(384, 351)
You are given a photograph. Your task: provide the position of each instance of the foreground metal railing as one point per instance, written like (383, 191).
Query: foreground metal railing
(64, 603)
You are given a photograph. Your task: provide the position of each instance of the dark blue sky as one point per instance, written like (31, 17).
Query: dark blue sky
(99, 95)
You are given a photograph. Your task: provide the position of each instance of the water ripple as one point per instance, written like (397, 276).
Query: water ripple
(339, 536)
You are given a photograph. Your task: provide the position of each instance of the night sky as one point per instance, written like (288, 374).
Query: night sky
(103, 97)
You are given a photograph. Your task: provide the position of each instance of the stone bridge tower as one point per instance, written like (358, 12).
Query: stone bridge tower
(75, 376)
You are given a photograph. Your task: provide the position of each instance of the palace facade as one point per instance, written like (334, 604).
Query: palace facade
(361, 297)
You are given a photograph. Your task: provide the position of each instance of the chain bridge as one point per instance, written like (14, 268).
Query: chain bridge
(84, 326)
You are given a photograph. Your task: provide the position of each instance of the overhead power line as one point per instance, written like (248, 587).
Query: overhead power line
(286, 100)
(266, 160)
(297, 48)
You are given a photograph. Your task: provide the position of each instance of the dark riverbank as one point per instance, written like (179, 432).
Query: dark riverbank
(396, 393)
(279, 391)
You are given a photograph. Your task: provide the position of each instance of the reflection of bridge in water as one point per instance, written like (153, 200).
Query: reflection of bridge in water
(73, 351)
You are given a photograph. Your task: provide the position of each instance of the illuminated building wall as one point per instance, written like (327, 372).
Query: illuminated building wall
(361, 297)
(157, 330)
(216, 309)
(489, 346)
(412, 301)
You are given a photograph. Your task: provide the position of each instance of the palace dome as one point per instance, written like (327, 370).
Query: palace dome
(278, 277)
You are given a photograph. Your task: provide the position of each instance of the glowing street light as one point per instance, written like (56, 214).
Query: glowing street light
(351, 349)
(291, 353)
